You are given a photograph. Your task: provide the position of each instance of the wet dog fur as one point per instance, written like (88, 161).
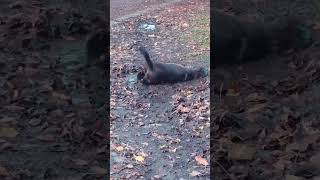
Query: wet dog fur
(96, 47)
(159, 73)
(238, 40)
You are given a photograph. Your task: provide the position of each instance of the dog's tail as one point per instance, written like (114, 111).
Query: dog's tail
(147, 57)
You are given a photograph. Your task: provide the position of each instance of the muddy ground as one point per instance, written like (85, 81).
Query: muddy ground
(50, 123)
(265, 125)
(161, 131)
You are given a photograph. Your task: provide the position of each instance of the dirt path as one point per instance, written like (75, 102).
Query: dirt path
(126, 8)
(158, 131)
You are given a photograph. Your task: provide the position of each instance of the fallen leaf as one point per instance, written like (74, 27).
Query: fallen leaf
(80, 162)
(292, 177)
(201, 161)
(119, 148)
(69, 38)
(232, 93)
(99, 170)
(35, 121)
(158, 176)
(7, 119)
(5, 146)
(185, 25)
(281, 164)
(256, 108)
(173, 150)
(139, 158)
(315, 159)
(46, 137)
(241, 152)
(61, 96)
(24, 172)
(130, 166)
(194, 173)
(182, 109)
(8, 132)
(3, 171)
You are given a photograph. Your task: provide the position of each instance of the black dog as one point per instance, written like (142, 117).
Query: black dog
(237, 40)
(158, 73)
(96, 46)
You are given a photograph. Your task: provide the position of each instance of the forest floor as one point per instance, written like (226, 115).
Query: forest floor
(265, 125)
(49, 129)
(160, 131)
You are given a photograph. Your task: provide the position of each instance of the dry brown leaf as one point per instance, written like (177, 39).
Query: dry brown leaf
(232, 93)
(8, 132)
(15, 94)
(173, 150)
(99, 170)
(182, 109)
(119, 148)
(112, 103)
(256, 108)
(139, 159)
(255, 97)
(185, 25)
(61, 96)
(3, 171)
(80, 162)
(35, 122)
(241, 152)
(317, 26)
(46, 137)
(129, 166)
(201, 161)
(195, 173)
(7, 119)
(69, 38)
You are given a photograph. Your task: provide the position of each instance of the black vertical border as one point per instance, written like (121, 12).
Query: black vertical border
(211, 24)
(107, 97)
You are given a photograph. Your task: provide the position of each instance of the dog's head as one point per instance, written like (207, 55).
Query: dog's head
(202, 72)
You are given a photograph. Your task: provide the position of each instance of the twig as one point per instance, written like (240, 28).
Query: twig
(224, 170)
(220, 92)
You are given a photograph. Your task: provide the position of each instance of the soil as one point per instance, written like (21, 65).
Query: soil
(160, 131)
(264, 126)
(49, 127)
(264, 121)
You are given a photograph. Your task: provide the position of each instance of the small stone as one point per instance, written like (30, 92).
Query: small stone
(35, 121)
(185, 25)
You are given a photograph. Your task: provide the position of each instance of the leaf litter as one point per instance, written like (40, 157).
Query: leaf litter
(157, 129)
(264, 124)
(43, 122)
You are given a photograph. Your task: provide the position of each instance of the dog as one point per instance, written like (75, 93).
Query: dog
(237, 40)
(96, 47)
(159, 73)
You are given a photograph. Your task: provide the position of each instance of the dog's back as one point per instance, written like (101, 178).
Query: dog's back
(237, 40)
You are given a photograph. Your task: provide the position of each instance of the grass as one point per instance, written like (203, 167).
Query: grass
(200, 32)
(199, 36)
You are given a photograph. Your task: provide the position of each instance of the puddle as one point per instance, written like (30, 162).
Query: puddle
(131, 80)
(147, 27)
(71, 55)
